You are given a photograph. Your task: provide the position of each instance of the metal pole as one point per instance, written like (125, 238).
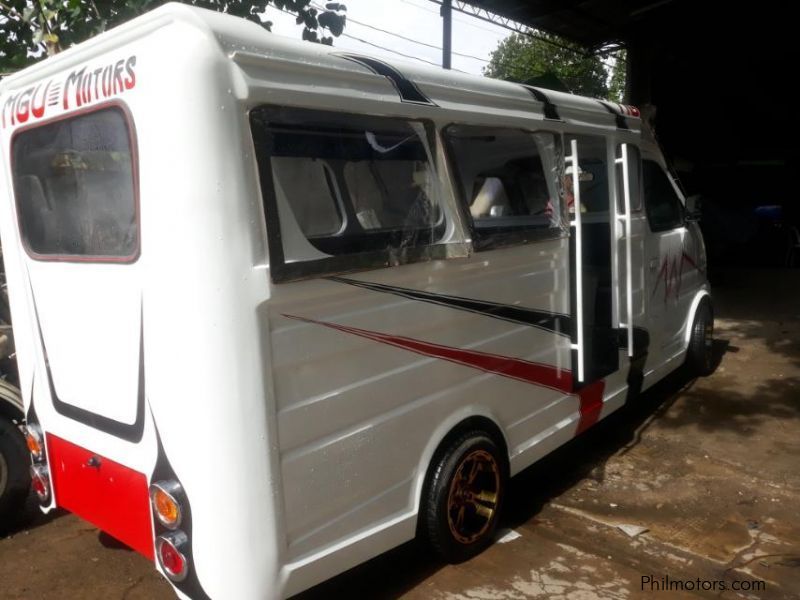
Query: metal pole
(447, 32)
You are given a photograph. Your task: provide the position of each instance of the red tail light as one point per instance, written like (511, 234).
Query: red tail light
(170, 549)
(40, 481)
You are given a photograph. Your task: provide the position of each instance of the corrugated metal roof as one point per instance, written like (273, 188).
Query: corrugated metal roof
(590, 23)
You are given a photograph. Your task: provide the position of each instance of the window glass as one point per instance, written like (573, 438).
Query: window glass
(592, 177)
(311, 184)
(383, 191)
(353, 183)
(662, 205)
(635, 175)
(73, 181)
(507, 180)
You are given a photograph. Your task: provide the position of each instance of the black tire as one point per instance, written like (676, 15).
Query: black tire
(454, 519)
(700, 354)
(15, 480)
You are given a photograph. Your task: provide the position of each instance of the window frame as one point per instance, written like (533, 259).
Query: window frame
(635, 210)
(122, 107)
(522, 236)
(646, 204)
(282, 271)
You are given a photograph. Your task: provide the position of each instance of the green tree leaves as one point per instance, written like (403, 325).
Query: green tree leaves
(551, 62)
(32, 29)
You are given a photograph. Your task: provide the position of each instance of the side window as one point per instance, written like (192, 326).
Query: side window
(507, 182)
(662, 205)
(352, 184)
(75, 190)
(635, 174)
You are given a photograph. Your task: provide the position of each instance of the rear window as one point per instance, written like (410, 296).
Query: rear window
(74, 187)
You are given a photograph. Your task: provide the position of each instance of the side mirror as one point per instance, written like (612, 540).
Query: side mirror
(693, 207)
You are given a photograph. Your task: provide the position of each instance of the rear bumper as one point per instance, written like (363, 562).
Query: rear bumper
(109, 495)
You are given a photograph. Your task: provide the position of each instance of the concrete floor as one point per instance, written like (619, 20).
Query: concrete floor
(709, 467)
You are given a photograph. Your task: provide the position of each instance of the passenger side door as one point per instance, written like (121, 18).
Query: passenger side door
(666, 262)
(596, 338)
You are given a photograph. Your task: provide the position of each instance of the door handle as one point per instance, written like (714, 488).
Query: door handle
(653, 264)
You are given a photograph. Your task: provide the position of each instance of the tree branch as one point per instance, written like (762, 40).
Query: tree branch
(10, 9)
(97, 12)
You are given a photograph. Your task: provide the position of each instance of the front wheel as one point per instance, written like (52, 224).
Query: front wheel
(700, 354)
(463, 496)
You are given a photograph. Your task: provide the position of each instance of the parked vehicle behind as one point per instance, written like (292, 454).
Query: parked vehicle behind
(14, 457)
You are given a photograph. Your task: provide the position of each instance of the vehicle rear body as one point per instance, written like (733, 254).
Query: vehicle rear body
(183, 313)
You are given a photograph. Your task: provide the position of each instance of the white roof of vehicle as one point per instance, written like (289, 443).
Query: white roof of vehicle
(246, 42)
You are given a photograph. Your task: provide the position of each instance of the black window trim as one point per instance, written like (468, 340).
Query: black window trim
(282, 271)
(115, 104)
(640, 209)
(524, 235)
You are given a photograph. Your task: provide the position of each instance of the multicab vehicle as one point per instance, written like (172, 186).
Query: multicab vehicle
(280, 307)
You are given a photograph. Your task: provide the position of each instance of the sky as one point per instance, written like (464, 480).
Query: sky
(417, 20)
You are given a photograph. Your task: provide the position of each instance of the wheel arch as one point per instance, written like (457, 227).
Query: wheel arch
(11, 405)
(700, 296)
(469, 418)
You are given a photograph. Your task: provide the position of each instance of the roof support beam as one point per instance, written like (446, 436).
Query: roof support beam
(447, 33)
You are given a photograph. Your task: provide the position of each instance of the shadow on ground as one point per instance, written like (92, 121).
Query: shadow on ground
(757, 299)
(380, 577)
(30, 517)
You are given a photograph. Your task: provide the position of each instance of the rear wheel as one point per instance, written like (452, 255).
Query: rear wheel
(463, 496)
(14, 476)
(700, 354)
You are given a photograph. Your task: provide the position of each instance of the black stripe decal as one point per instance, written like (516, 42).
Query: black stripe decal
(163, 471)
(547, 321)
(622, 123)
(550, 110)
(130, 433)
(407, 89)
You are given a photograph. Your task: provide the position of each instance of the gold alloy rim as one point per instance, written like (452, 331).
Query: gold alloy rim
(473, 497)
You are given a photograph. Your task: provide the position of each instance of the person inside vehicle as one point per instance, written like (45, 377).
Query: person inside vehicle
(568, 194)
(569, 190)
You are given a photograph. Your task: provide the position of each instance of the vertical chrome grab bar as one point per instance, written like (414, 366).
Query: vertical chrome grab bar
(628, 251)
(572, 159)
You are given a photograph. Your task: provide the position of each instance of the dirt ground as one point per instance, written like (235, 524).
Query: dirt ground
(710, 468)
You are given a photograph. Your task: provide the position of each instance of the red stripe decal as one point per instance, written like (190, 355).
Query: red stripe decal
(686, 258)
(591, 396)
